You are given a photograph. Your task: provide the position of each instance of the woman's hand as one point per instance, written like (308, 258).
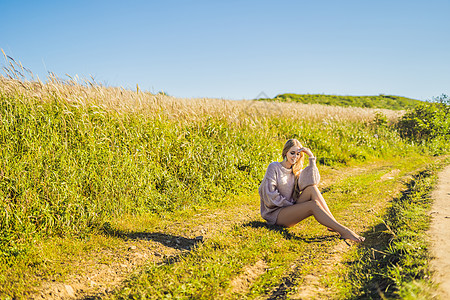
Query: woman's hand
(307, 151)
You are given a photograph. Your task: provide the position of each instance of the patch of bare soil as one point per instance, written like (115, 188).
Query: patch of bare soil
(440, 234)
(103, 271)
(242, 283)
(391, 175)
(313, 286)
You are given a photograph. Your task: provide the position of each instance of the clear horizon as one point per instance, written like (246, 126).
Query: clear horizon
(237, 49)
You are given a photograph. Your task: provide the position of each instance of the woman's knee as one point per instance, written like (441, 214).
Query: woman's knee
(313, 190)
(316, 202)
(313, 204)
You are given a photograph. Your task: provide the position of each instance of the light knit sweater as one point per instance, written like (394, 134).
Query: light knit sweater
(277, 187)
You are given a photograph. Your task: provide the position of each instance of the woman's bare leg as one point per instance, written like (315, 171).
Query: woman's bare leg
(312, 192)
(291, 215)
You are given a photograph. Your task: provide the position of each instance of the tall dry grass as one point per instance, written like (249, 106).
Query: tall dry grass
(19, 80)
(89, 93)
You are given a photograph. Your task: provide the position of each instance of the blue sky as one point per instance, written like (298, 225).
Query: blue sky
(237, 49)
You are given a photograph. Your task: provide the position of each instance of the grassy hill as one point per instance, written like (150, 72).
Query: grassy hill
(380, 101)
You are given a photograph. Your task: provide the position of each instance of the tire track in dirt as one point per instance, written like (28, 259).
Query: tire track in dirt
(242, 283)
(106, 269)
(311, 286)
(439, 234)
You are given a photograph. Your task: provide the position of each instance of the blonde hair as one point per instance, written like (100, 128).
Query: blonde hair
(298, 166)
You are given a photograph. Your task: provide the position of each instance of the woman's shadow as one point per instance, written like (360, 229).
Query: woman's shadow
(287, 234)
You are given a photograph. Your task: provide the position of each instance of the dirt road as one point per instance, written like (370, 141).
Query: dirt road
(440, 234)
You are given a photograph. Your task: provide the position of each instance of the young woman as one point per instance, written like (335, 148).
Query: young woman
(289, 194)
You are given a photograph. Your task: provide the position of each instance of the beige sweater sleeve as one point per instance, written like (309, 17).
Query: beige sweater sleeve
(309, 175)
(269, 192)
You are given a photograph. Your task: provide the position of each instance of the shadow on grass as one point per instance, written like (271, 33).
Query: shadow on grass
(168, 240)
(185, 245)
(287, 234)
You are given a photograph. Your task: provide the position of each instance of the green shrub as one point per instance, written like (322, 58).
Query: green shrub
(428, 123)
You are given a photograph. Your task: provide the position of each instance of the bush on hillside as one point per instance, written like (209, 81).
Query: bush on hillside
(380, 101)
(428, 122)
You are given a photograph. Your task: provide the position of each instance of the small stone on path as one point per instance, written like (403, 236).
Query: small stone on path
(70, 290)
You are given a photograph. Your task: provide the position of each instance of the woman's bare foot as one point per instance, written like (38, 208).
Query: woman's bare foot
(350, 235)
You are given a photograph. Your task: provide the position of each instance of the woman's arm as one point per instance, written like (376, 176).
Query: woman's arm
(269, 193)
(309, 175)
(307, 151)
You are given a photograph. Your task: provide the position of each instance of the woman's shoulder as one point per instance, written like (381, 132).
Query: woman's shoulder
(277, 167)
(274, 165)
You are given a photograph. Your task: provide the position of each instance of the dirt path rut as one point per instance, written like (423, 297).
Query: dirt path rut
(440, 234)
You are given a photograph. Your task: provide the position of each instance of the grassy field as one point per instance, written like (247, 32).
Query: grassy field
(112, 193)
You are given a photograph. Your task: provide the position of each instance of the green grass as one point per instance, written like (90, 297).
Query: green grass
(380, 101)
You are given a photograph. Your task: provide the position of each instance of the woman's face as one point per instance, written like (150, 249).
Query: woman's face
(293, 154)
